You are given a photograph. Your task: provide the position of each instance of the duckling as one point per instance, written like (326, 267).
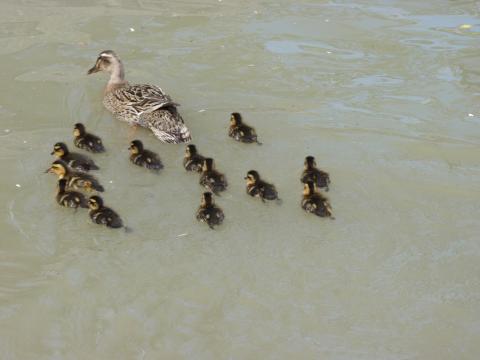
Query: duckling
(240, 131)
(192, 161)
(140, 104)
(311, 173)
(74, 160)
(208, 212)
(86, 141)
(103, 215)
(256, 187)
(70, 199)
(211, 179)
(144, 158)
(75, 179)
(315, 203)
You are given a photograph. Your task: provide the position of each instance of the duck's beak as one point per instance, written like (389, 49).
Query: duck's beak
(93, 70)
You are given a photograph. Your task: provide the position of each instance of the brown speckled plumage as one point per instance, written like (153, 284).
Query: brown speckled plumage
(144, 105)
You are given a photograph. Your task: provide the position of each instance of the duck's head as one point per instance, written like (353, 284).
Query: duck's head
(95, 202)
(190, 150)
(59, 150)
(309, 188)
(309, 162)
(59, 168)
(62, 184)
(78, 129)
(207, 199)
(208, 164)
(252, 177)
(135, 147)
(107, 61)
(235, 119)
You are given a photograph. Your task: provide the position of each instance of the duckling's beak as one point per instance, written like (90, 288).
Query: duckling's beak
(53, 152)
(245, 178)
(48, 170)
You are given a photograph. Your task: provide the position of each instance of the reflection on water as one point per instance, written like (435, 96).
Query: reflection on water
(384, 94)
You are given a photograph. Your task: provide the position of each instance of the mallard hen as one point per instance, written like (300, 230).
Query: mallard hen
(144, 105)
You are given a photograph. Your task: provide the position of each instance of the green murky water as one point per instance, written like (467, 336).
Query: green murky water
(384, 94)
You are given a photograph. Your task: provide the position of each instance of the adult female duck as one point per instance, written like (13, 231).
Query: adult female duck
(141, 104)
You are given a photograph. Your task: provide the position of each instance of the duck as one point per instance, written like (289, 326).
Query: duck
(240, 131)
(211, 179)
(86, 141)
(208, 212)
(312, 173)
(102, 215)
(314, 202)
(74, 179)
(74, 160)
(256, 187)
(192, 161)
(140, 104)
(70, 199)
(143, 157)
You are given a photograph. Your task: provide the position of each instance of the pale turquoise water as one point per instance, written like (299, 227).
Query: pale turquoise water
(383, 93)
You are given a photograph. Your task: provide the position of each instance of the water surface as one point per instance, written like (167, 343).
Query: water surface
(383, 93)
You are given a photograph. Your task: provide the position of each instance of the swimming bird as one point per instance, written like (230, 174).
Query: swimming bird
(240, 131)
(256, 187)
(192, 161)
(311, 173)
(86, 141)
(315, 203)
(211, 179)
(74, 179)
(103, 215)
(143, 157)
(74, 160)
(208, 212)
(144, 105)
(70, 199)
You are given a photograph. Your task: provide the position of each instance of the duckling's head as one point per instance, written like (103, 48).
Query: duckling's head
(136, 147)
(78, 129)
(62, 184)
(309, 188)
(59, 150)
(107, 61)
(235, 119)
(59, 168)
(208, 164)
(95, 202)
(310, 162)
(207, 199)
(190, 150)
(252, 177)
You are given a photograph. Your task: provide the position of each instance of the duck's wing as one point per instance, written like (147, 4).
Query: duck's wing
(143, 98)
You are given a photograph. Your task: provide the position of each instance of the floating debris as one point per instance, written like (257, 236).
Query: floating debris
(329, 52)
(18, 185)
(7, 130)
(202, 110)
(465, 26)
(182, 235)
(132, 29)
(471, 115)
